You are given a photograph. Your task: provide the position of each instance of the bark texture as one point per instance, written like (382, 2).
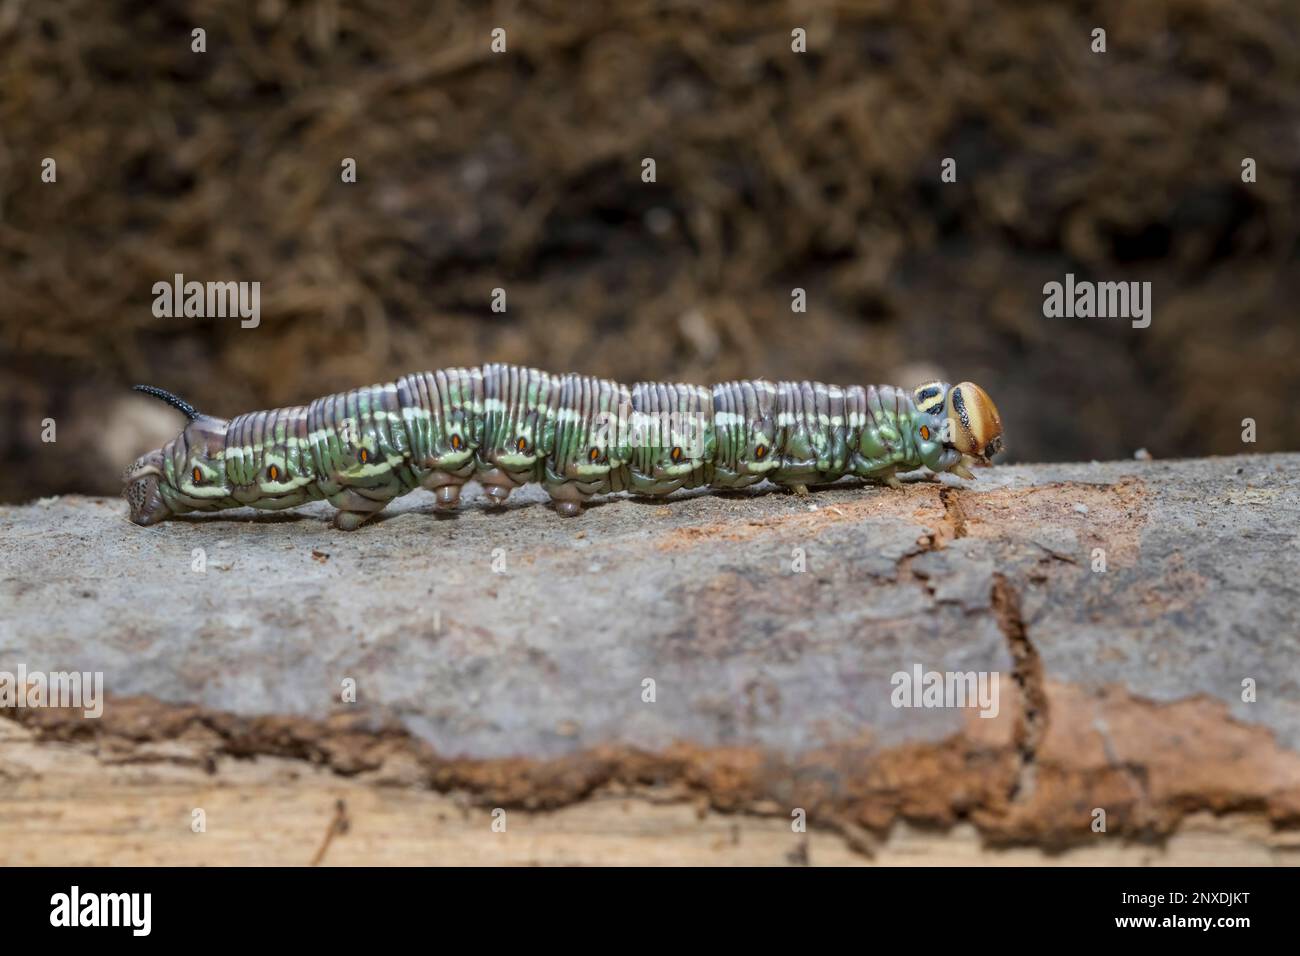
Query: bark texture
(500, 662)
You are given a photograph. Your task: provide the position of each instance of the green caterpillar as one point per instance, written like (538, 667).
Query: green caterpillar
(505, 426)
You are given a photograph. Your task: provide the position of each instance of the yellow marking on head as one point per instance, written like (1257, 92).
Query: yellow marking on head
(929, 397)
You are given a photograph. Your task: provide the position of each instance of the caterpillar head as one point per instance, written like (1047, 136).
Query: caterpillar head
(972, 425)
(186, 474)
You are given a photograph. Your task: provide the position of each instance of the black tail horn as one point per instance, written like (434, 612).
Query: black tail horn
(184, 407)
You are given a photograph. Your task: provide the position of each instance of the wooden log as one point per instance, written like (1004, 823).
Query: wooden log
(714, 679)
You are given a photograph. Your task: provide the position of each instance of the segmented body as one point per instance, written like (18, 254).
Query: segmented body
(576, 435)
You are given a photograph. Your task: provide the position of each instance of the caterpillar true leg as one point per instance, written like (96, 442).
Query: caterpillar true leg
(578, 436)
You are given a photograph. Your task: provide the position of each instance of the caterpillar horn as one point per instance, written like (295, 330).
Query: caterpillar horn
(175, 401)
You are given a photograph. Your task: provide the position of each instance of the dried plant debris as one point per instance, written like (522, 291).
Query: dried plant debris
(524, 171)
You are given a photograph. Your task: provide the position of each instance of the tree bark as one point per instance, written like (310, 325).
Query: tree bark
(678, 681)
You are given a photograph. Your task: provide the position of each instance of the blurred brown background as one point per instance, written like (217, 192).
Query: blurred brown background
(775, 170)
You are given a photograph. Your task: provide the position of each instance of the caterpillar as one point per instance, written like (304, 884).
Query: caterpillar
(578, 436)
